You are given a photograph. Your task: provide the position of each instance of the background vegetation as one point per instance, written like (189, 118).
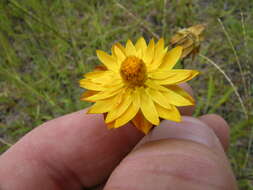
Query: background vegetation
(46, 46)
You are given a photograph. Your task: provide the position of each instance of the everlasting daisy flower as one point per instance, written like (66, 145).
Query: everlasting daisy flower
(137, 83)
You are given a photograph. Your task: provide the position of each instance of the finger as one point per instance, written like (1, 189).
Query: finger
(70, 151)
(171, 157)
(172, 164)
(219, 126)
(189, 129)
(185, 155)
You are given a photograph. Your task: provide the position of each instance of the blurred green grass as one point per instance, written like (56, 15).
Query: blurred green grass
(46, 46)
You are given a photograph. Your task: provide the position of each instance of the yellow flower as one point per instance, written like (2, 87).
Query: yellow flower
(137, 84)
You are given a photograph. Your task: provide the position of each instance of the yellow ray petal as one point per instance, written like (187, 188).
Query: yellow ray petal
(149, 53)
(109, 61)
(157, 61)
(178, 97)
(94, 74)
(141, 44)
(161, 74)
(106, 94)
(122, 48)
(118, 110)
(102, 106)
(88, 84)
(139, 54)
(141, 123)
(170, 114)
(152, 84)
(181, 91)
(88, 93)
(119, 53)
(178, 76)
(159, 98)
(130, 48)
(101, 83)
(102, 77)
(130, 112)
(159, 47)
(159, 54)
(171, 58)
(147, 107)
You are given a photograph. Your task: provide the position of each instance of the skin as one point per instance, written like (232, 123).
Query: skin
(77, 150)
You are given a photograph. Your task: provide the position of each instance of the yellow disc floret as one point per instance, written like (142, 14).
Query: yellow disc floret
(133, 71)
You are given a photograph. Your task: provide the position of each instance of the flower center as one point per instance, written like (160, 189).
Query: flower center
(133, 71)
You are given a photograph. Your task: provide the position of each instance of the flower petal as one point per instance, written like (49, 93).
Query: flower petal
(109, 61)
(141, 123)
(159, 98)
(100, 80)
(171, 58)
(149, 53)
(152, 84)
(88, 84)
(130, 112)
(102, 77)
(102, 106)
(88, 93)
(141, 44)
(119, 53)
(170, 114)
(130, 48)
(177, 76)
(106, 94)
(159, 54)
(119, 109)
(94, 74)
(161, 74)
(148, 107)
(141, 47)
(139, 54)
(157, 61)
(121, 48)
(159, 47)
(177, 96)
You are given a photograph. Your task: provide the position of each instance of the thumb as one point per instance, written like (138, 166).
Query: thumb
(186, 155)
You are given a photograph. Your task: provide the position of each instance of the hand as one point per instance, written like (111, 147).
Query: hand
(77, 150)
